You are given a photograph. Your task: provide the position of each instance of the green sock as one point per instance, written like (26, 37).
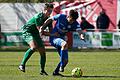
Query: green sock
(27, 55)
(43, 61)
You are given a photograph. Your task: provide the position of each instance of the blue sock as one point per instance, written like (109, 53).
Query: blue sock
(57, 68)
(63, 55)
(59, 50)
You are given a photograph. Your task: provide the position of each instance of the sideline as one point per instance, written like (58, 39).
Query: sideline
(52, 49)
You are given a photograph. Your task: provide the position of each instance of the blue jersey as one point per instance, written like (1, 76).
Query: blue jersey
(62, 26)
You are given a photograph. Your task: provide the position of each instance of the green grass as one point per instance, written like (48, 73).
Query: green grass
(95, 66)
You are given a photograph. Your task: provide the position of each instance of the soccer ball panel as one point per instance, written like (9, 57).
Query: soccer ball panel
(76, 72)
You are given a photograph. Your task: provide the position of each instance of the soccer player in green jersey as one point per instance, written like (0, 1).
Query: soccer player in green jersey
(30, 33)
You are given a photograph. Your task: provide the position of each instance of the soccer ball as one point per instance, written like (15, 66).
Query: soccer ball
(77, 72)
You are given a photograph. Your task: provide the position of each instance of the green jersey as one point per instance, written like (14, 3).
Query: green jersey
(36, 20)
(30, 31)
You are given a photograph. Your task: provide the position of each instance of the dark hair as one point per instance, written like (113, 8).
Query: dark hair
(73, 14)
(83, 18)
(48, 5)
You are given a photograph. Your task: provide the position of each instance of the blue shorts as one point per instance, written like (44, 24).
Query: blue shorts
(56, 42)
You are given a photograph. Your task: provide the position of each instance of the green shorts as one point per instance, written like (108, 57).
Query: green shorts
(27, 36)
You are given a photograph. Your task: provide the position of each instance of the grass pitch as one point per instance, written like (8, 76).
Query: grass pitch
(95, 66)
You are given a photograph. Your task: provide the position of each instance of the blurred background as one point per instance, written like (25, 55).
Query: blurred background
(99, 19)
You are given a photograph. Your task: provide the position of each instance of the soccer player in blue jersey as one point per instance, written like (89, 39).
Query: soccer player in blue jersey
(63, 25)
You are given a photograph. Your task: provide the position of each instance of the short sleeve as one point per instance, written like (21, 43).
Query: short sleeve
(38, 19)
(56, 17)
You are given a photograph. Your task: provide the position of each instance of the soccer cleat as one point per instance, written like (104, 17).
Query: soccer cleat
(43, 73)
(57, 74)
(22, 68)
(61, 69)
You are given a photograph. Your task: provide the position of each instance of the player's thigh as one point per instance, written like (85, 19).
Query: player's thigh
(33, 44)
(39, 41)
(28, 37)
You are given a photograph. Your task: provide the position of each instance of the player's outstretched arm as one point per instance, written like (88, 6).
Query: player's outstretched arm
(49, 34)
(46, 23)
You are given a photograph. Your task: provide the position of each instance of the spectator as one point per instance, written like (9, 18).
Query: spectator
(102, 21)
(85, 25)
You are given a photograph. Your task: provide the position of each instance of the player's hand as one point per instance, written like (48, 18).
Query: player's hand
(82, 36)
(40, 29)
(45, 33)
(56, 34)
(42, 33)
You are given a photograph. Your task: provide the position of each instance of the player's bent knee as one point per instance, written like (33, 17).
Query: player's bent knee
(64, 45)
